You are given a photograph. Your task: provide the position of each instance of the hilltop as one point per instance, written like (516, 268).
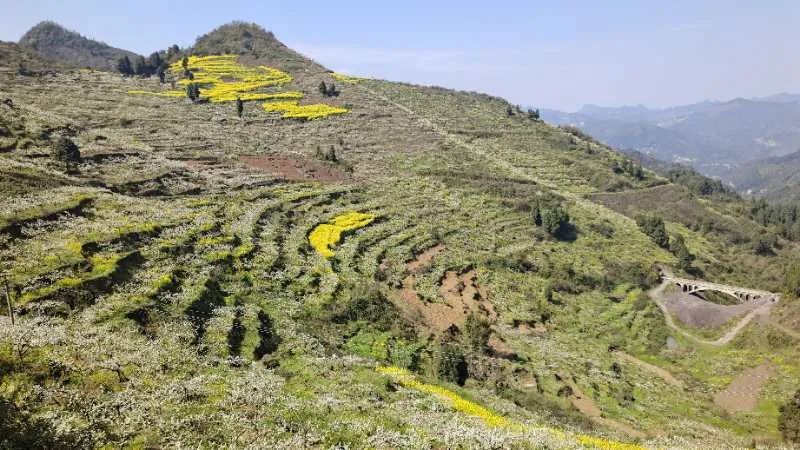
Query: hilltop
(355, 262)
(54, 42)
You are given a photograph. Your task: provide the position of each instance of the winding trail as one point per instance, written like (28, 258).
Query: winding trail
(657, 295)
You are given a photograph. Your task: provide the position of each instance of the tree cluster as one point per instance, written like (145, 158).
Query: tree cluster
(142, 67)
(629, 168)
(699, 184)
(785, 218)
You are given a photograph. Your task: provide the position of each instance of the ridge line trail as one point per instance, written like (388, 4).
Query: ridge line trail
(460, 142)
(656, 295)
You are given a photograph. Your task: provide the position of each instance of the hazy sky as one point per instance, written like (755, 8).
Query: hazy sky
(555, 54)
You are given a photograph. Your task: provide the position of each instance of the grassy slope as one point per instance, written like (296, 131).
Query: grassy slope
(436, 166)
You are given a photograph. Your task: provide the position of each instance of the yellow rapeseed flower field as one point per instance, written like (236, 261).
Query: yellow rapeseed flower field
(459, 403)
(222, 79)
(325, 235)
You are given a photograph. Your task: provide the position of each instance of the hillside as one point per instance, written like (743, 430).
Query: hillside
(13, 58)
(379, 265)
(54, 42)
(714, 137)
(777, 178)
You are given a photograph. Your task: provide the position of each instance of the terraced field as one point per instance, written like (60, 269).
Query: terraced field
(183, 283)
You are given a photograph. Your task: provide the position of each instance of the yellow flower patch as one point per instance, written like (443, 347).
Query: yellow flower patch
(325, 235)
(459, 403)
(293, 110)
(222, 79)
(346, 78)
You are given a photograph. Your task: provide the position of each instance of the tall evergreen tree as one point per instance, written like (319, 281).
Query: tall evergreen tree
(124, 66)
(140, 67)
(681, 252)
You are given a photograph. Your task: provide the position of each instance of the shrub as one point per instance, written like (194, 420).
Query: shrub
(789, 419)
(554, 220)
(193, 91)
(764, 245)
(450, 364)
(791, 281)
(653, 226)
(239, 106)
(66, 151)
(476, 332)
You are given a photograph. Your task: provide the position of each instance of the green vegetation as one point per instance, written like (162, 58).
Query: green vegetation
(167, 293)
(789, 420)
(654, 227)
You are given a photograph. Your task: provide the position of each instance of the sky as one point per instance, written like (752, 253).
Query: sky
(547, 54)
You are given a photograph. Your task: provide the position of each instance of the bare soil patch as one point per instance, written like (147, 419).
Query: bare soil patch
(460, 291)
(424, 259)
(295, 168)
(745, 390)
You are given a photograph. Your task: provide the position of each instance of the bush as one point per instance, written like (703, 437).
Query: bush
(789, 419)
(654, 227)
(554, 220)
(66, 151)
(476, 332)
(450, 364)
(193, 91)
(791, 281)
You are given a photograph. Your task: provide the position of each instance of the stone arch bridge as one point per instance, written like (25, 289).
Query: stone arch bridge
(742, 294)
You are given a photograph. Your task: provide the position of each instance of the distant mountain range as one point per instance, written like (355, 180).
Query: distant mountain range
(722, 139)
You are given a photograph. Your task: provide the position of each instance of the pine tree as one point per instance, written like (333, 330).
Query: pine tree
(193, 92)
(154, 62)
(124, 66)
(185, 63)
(140, 67)
(681, 252)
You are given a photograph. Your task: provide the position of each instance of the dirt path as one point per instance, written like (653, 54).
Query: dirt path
(657, 294)
(745, 390)
(661, 373)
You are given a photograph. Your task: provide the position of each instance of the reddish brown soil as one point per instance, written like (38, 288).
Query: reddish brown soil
(424, 259)
(295, 168)
(745, 390)
(461, 294)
